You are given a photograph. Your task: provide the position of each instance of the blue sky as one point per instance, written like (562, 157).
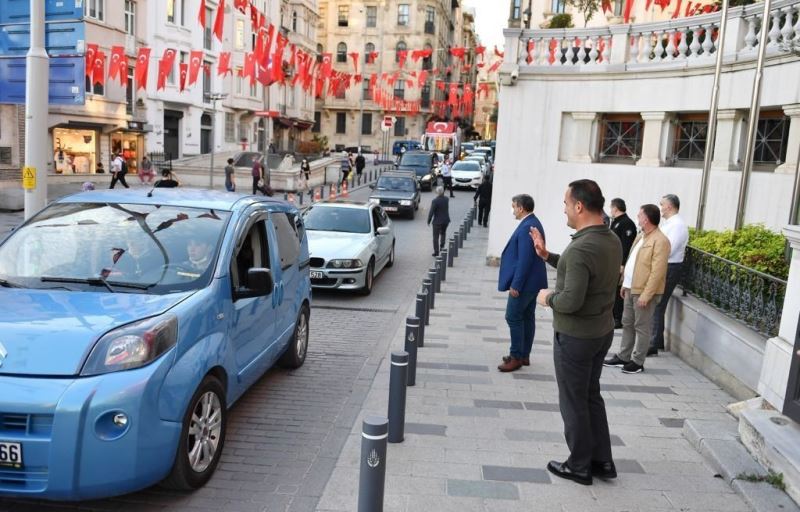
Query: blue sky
(490, 20)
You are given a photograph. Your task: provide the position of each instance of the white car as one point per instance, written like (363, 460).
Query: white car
(481, 159)
(349, 244)
(466, 174)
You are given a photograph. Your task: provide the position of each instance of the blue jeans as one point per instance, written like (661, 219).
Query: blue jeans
(521, 323)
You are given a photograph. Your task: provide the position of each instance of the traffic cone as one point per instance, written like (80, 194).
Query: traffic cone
(344, 190)
(332, 196)
(318, 195)
(291, 198)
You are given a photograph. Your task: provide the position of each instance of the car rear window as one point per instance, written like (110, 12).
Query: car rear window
(332, 218)
(395, 183)
(416, 160)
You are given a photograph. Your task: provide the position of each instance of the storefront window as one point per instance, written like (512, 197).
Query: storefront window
(74, 151)
(128, 143)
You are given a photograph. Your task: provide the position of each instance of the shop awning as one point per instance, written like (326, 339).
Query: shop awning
(285, 121)
(303, 124)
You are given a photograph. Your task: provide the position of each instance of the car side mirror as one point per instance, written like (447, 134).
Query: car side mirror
(384, 230)
(259, 284)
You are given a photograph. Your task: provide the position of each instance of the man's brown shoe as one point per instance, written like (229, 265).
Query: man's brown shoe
(526, 361)
(511, 365)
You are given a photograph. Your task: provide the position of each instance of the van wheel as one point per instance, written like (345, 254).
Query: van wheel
(391, 256)
(202, 437)
(369, 278)
(295, 354)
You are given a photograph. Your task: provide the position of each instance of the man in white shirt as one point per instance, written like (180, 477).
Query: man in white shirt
(675, 228)
(447, 177)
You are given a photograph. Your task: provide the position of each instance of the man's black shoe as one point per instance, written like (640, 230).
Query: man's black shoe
(632, 368)
(614, 361)
(561, 469)
(652, 351)
(604, 470)
(617, 325)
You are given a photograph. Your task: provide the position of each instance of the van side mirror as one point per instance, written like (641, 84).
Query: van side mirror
(259, 284)
(384, 230)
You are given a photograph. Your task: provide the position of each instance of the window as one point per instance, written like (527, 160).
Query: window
(288, 235)
(400, 127)
(94, 9)
(558, 6)
(130, 17)
(344, 14)
(294, 21)
(244, 131)
(426, 96)
(427, 62)
(207, 33)
(253, 253)
(366, 124)
(690, 138)
(320, 51)
(341, 52)
(367, 91)
(341, 122)
(254, 90)
(621, 138)
(403, 11)
(618, 7)
(130, 95)
(772, 137)
(400, 89)
(239, 35)
(171, 11)
(430, 20)
(317, 123)
(515, 10)
(206, 81)
(94, 88)
(5, 155)
(368, 48)
(230, 127)
(401, 47)
(372, 16)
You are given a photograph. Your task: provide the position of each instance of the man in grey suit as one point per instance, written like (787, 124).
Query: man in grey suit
(439, 216)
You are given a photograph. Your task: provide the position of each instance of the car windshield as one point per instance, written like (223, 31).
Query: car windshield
(467, 166)
(114, 247)
(399, 184)
(474, 158)
(332, 218)
(416, 160)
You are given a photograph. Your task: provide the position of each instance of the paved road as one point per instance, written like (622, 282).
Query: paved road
(286, 433)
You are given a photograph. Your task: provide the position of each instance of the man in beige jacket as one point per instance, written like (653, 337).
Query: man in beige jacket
(643, 280)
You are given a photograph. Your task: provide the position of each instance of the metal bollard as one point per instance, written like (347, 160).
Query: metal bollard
(412, 342)
(398, 380)
(438, 273)
(455, 239)
(419, 312)
(468, 223)
(433, 275)
(450, 252)
(441, 260)
(372, 476)
(465, 230)
(300, 199)
(427, 285)
(474, 213)
(285, 196)
(461, 237)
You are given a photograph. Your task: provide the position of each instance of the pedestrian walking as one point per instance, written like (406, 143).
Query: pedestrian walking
(439, 217)
(361, 162)
(230, 176)
(522, 275)
(346, 166)
(447, 176)
(146, 172)
(483, 196)
(587, 274)
(643, 282)
(258, 178)
(119, 168)
(675, 228)
(305, 171)
(625, 229)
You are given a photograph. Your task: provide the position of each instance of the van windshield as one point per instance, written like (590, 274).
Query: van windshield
(416, 160)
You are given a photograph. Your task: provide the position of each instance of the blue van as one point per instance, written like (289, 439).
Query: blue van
(408, 145)
(129, 323)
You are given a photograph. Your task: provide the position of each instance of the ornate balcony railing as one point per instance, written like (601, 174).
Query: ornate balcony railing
(745, 294)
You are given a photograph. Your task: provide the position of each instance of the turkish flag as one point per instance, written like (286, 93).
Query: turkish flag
(266, 36)
(241, 5)
(253, 16)
(277, 58)
(423, 77)
(201, 14)
(119, 64)
(483, 88)
(502, 54)
(354, 56)
(99, 68)
(371, 57)
(165, 66)
(458, 52)
(628, 8)
(219, 21)
(224, 66)
(91, 50)
(402, 55)
(184, 71)
(195, 61)
(249, 67)
(452, 98)
(677, 11)
(142, 65)
(326, 65)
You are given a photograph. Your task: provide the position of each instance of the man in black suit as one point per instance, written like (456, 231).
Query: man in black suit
(484, 197)
(439, 216)
(625, 229)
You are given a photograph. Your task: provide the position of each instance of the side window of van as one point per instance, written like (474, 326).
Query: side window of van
(252, 253)
(288, 236)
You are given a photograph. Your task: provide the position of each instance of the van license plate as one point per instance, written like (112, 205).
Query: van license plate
(390, 208)
(10, 454)
(316, 275)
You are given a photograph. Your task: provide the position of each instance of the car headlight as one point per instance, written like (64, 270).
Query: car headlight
(405, 202)
(132, 346)
(427, 177)
(345, 264)
(374, 200)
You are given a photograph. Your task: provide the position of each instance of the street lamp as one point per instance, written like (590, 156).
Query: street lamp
(526, 15)
(213, 97)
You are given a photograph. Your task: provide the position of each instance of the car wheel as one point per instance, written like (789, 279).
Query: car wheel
(391, 256)
(369, 278)
(295, 353)
(202, 437)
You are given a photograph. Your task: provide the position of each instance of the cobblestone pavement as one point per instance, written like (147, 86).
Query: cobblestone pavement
(286, 433)
(479, 440)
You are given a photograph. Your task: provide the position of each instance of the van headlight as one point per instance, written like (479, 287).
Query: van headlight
(132, 346)
(405, 202)
(374, 200)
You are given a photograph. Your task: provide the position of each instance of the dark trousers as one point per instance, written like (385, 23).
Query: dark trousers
(345, 175)
(439, 237)
(118, 177)
(448, 184)
(674, 271)
(578, 365)
(257, 187)
(619, 306)
(521, 322)
(483, 213)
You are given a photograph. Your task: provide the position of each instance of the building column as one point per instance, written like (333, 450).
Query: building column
(728, 143)
(654, 146)
(790, 165)
(583, 150)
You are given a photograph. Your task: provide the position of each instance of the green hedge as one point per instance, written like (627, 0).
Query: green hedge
(753, 246)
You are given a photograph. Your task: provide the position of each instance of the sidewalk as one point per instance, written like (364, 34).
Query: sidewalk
(479, 440)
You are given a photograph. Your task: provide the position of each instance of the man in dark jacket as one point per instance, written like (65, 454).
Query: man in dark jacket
(522, 274)
(484, 197)
(439, 216)
(625, 229)
(361, 162)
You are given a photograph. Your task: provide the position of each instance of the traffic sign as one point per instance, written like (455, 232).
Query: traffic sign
(29, 178)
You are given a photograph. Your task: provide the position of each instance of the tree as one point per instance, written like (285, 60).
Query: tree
(586, 7)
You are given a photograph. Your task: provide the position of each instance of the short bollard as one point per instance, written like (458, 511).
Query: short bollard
(468, 223)
(455, 239)
(441, 260)
(300, 200)
(419, 312)
(398, 380)
(464, 231)
(286, 196)
(460, 237)
(372, 477)
(412, 342)
(474, 212)
(438, 283)
(452, 252)
(427, 285)
(432, 275)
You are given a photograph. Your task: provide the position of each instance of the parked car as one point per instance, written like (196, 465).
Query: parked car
(131, 322)
(396, 192)
(422, 163)
(408, 145)
(481, 159)
(350, 244)
(466, 174)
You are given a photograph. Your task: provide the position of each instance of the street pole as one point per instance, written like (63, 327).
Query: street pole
(37, 80)
(214, 97)
(711, 138)
(752, 122)
(267, 123)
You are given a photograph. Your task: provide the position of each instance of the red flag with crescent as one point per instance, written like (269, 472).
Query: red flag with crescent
(99, 68)
(503, 54)
(201, 14)
(219, 21)
(249, 67)
(224, 66)
(628, 8)
(277, 58)
(371, 57)
(195, 62)
(165, 66)
(91, 50)
(118, 63)
(402, 55)
(354, 56)
(458, 52)
(142, 65)
(241, 5)
(184, 71)
(326, 65)
(423, 77)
